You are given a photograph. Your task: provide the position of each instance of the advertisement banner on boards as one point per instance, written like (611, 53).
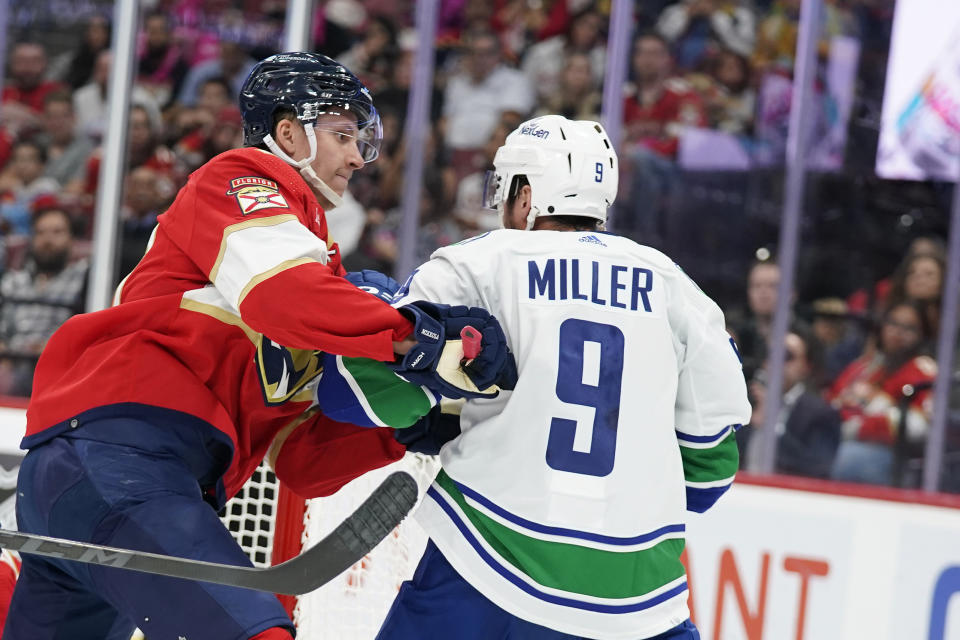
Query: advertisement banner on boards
(773, 563)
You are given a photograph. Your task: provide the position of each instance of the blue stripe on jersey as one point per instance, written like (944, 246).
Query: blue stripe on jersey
(699, 500)
(536, 593)
(723, 432)
(561, 531)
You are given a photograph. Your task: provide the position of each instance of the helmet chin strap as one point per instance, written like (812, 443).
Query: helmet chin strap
(532, 217)
(304, 165)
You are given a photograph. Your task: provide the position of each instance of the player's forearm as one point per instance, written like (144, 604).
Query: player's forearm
(324, 312)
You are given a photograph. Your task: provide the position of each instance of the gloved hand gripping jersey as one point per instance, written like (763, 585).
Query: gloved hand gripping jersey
(436, 360)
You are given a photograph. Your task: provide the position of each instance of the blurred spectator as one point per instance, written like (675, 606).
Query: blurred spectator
(227, 133)
(873, 300)
(21, 184)
(578, 97)
(436, 229)
(657, 109)
(25, 87)
(477, 95)
(161, 65)
(752, 331)
(143, 198)
(920, 279)
(697, 29)
(6, 145)
(393, 96)
(728, 93)
(545, 62)
(206, 135)
(67, 152)
(75, 67)
(90, 100)
(38, 298)
(144, 149)
(468, 210)
(214, 95)
(808, 429)
(777, 32)
(233, 63)
(372, 58)
(520, 23)
(870, 396)
(840, 333)
(659, 105)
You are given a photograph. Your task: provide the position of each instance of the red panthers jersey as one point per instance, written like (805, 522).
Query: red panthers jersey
(868, 398)
(224, 318)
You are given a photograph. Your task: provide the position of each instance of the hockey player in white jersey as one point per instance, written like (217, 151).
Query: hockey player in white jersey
(560, 509)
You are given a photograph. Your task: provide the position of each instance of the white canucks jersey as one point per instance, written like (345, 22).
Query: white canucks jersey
(563, 500)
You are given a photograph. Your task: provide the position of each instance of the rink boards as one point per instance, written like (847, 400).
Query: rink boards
(788, 559)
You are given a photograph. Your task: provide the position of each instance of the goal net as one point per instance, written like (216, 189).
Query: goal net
(273, 525)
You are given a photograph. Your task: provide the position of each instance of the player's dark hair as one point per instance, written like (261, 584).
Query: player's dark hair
(578, 223)
(518, 182)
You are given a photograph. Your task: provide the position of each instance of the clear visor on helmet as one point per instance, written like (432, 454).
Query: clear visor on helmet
(492, 194)
(342, 122)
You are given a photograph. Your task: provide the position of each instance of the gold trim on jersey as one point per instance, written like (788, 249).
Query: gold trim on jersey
(271, 221)
(220, 314)
(278, 440)
(266, 275)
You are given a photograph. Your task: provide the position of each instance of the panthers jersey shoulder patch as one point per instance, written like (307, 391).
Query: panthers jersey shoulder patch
(254, 193)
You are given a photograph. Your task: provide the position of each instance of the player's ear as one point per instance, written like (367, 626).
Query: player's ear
(525, 199)
(285, 133)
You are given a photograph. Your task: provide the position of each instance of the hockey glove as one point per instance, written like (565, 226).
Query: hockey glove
(430, 432)
(435, 361)
(374, 282)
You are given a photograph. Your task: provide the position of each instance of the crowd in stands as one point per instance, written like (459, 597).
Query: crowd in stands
(708, 94)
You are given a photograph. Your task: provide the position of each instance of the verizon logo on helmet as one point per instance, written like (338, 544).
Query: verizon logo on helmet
(532, 130)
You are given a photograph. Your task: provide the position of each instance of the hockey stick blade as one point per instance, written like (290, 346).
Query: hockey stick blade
(347, 544)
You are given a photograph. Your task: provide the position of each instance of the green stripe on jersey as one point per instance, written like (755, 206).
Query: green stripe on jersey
(574, 568)
(395, 402)
(709, 465)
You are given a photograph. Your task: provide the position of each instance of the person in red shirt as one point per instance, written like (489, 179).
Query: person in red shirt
(660, 104)
(26, 88)
(655, 113)
(145, 412)
(869, 394)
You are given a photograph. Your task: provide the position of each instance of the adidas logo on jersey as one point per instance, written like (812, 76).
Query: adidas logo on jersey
(593, 240)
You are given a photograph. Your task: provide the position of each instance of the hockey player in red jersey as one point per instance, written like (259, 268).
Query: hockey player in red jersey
(143, 413)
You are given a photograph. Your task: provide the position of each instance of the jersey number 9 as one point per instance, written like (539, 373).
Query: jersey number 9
(594, 382)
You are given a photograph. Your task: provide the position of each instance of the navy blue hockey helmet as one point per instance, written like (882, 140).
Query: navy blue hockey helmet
(311, 84)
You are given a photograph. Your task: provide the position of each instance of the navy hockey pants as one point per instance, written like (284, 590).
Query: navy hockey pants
(122, 496)
(438, 604)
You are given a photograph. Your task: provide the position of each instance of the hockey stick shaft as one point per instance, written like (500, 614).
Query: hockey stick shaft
(348, 543)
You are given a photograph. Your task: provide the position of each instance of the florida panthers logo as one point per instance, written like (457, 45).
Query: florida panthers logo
(285, 372)
(254, 193)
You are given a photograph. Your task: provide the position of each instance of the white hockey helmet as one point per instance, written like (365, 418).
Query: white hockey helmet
(571, 166)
